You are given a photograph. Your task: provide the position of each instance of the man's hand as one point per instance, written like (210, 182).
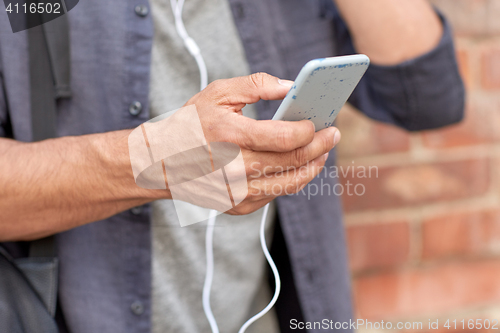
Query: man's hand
(280, 157)
(391, 31)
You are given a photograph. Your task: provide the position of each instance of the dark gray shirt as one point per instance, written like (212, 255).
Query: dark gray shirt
(105, 276)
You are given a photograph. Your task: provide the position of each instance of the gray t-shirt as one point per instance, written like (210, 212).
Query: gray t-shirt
(239, 288)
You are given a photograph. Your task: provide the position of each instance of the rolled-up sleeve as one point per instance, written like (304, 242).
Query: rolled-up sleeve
(422, 93)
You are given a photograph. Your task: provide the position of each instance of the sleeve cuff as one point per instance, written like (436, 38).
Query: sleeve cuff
(421, 93)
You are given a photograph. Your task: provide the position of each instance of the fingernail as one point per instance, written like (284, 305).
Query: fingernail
(325, 157)
(286, 83)
(337, 137)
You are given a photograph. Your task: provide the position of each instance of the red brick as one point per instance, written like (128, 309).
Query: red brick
(493, 21)
(427, 291)
(468, 17)
(362, 136)
(481, 125)
(469, 233)
(415, 185)
(490, 68)
(378, 245)
(463, 65)
(496, 180)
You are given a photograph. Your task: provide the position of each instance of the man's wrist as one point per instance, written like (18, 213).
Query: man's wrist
(113, 158)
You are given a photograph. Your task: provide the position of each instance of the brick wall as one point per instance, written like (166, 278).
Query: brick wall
(424, 238)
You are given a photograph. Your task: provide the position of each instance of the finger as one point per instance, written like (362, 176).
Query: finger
(272, 135)
(285, 183)
(268, 162)
(252, 88)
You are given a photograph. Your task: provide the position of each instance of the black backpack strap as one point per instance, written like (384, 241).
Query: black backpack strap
(49, 55)
(43, 103)
(57, 38)
(43, 248)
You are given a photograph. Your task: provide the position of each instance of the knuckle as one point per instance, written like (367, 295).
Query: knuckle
(298, 157)
(257, 79)
(215, 85)
(244, 141)
(246, 135)
(284, 138)
(253, 170)
(218, 91)
(231, 134)
(241, 133)
(235, 171)
(307, 131)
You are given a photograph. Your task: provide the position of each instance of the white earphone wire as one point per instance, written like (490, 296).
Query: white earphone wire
(189, 43)
(207, 287)
(194, 50)
(277, 279)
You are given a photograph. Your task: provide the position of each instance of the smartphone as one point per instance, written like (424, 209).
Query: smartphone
(322, 88)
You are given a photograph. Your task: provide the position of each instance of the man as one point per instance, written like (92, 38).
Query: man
(134, 271)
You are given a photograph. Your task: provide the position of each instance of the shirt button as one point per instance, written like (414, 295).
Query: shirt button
(239, 10)
(141, 10)
(135, 108)
(137, 308)
(136, 210)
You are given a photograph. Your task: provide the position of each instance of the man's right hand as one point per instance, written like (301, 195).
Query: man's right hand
(280, 157)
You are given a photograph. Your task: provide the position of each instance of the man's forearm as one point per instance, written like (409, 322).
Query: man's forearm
(391, 31)
(55, 185)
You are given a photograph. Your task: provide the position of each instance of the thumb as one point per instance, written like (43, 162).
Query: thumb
(252, 88)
